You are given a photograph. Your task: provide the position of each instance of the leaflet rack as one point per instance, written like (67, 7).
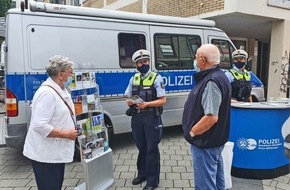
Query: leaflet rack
(96, 155)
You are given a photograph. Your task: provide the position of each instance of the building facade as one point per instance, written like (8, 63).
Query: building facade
(261, 27)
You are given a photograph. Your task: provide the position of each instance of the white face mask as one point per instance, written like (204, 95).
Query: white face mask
(196, 68)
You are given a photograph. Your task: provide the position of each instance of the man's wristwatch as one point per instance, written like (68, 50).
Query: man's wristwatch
(191, 134)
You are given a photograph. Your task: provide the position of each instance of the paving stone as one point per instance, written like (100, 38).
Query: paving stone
(170, 162)
(283, 179)
(14, 182)
(181, 183)
(179, 169)
(22, 188)
(273, 183)
(269, 188)
(70, 182)
(283, 186)
(127, 175)
(121, 168)
(7, 175)
(22, 175)
(166, 183)
(188, 176)
(173, 176)
(118, 162)
(165, 168)
(161, 176)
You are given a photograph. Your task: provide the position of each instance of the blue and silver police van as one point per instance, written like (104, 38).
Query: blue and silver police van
(102, 41)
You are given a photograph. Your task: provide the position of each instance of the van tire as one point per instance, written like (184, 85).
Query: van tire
(254, 99)
(109, 127)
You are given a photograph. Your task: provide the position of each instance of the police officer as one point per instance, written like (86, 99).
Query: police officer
(146, 120)
(239, 77)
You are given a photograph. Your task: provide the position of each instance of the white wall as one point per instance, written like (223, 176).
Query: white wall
(279, 59)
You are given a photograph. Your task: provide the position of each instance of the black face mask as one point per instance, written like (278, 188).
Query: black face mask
(239, 64)
(143, 69)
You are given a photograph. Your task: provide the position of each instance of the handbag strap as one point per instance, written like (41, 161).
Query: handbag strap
(65, 102)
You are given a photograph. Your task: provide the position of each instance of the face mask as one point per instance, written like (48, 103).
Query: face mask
(239, 64)
(196, 68)
(68, 82)
(143, 69)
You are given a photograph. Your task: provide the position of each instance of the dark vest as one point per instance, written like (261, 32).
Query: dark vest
(218, 134)
(241, 86)
(144, 88)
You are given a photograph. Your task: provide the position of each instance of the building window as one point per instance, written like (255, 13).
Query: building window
(226, 50)
(175, 51)
(128, 44)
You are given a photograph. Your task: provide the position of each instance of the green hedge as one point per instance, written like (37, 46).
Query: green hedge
(5, 5)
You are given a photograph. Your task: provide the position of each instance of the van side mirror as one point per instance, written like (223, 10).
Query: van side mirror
(248, 66)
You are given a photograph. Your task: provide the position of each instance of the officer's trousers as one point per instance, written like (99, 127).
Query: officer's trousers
(48, 176)
(147, 131)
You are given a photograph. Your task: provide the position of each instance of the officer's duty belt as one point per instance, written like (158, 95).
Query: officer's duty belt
(146, 110)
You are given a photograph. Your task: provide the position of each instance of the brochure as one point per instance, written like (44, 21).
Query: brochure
(73, 84)
(78, 80)
(86, 79)
(91, 102)
(93, 145)
(92, 79)
(136, 99)
(97, 123)
(84, 125)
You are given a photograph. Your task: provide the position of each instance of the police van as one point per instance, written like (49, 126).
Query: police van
(101, 41)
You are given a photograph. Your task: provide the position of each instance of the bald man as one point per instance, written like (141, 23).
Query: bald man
(206, 119)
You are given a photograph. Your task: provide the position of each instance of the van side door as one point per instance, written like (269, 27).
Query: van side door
(173, 50)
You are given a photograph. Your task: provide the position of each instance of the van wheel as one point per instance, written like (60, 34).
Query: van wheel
(110, 132)
(109, 127)
(254, 99)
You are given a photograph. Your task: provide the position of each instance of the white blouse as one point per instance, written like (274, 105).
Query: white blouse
(49, 112)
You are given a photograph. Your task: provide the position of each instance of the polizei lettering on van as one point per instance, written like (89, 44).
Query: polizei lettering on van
(178, 81)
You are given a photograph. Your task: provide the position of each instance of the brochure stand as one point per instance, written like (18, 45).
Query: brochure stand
(98, 172)
(96, 155)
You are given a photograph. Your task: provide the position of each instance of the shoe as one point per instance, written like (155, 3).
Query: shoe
(149, 187)
(137, 181)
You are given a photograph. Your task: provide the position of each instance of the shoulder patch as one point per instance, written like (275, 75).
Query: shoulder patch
(162, 85)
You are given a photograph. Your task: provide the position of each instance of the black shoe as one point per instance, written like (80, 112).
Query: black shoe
(149, 187)
(137, 181)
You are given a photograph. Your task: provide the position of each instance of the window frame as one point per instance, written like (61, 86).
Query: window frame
(128, 63)
(180, 62)
(230, 50)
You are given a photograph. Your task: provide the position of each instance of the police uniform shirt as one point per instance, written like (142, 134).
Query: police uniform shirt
(158, 85)
(230, 75)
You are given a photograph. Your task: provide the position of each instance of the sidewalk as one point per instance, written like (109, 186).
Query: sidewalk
(176, 168)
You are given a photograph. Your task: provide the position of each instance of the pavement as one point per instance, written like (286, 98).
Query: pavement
(176, 168)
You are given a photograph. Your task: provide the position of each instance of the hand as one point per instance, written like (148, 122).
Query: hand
(129, 103)
(143, 105)
(234, 101)
(71, 134)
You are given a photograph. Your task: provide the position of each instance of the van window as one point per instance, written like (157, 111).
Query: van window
(226, 50)
(128, 44)
(175, 51)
